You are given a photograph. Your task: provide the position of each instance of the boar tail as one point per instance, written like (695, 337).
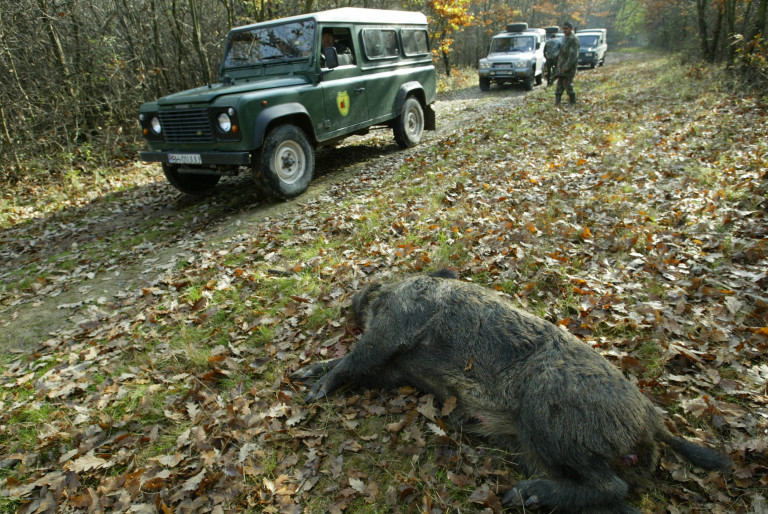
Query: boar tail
(700, 456)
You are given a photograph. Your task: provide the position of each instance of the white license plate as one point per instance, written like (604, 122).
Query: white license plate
(184, 158)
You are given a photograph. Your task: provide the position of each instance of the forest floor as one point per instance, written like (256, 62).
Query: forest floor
(147, 337)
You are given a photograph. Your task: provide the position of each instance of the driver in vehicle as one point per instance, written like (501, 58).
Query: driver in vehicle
(328, 40)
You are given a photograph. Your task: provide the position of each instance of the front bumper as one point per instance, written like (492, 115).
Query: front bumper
(205, 158)
(584, 59)
(506, 73)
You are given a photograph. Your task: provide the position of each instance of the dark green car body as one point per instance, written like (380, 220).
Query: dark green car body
(280, 96)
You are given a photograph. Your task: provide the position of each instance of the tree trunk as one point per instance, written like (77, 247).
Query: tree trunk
(197, 41)
(716, 36)
(701, 13)
(58, 49)
(178, 34)
(762, 19)
(159, 62)
(729, 8)
(447, 63)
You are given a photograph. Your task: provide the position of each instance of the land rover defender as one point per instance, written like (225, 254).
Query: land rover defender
(288, 86)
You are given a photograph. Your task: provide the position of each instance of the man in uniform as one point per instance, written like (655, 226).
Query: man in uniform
(551, 49)
(567, 60)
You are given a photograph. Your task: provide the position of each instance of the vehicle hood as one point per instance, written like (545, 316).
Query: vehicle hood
(511, 57)
(207, 94)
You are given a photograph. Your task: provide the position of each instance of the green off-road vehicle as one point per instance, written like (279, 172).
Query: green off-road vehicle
(288, 86)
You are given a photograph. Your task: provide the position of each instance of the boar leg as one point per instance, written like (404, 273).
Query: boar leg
(369, 362)
(595, 490)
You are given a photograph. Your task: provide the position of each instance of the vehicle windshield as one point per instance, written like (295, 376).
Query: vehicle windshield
(260, 45)
(512, 44)
(587, 40)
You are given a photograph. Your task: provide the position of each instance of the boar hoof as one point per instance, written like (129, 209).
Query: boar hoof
(305, 372)
(527, 493)
(314, 396)
(314, 370)
(321, 389)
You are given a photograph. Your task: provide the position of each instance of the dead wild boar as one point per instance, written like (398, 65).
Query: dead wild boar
(568, 413)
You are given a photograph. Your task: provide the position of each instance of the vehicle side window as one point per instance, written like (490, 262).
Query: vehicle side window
(341, 39)
(415, 42)
(380, 43)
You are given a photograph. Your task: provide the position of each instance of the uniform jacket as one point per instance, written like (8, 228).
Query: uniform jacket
(552, 48)
(568, 57)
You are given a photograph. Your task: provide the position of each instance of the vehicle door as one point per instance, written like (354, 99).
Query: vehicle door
(540, 59)
(384, 77)
(344, 90)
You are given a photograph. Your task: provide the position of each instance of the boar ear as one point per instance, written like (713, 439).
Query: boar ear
(444, 273)
(362, 303)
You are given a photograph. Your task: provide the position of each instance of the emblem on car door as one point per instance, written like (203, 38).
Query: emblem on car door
(342, 102)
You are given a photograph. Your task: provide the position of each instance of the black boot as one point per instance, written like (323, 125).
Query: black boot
(572, 98)
(557, 98)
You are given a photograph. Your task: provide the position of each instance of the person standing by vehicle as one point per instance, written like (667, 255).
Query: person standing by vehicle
(567, 60)
(551, 49)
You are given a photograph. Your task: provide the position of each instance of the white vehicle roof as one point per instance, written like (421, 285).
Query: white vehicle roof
(357, 15)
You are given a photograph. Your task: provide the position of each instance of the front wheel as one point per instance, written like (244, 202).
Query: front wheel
(190, 183)
(539, 79)
(410, 124)
(528, 83)
(286, 163)
(485, 84)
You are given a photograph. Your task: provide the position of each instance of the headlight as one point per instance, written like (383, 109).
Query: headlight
(225, 122)
(484, 63)
(155, 124)
(521, 65)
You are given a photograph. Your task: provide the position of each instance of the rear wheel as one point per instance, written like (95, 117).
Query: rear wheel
(285, 165)
(190, 183)
(410, 124)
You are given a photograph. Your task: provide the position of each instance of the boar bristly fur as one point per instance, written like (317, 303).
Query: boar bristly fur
(571, 417)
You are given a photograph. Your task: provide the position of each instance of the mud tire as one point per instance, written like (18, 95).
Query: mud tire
(286, 163)
(409, 126)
